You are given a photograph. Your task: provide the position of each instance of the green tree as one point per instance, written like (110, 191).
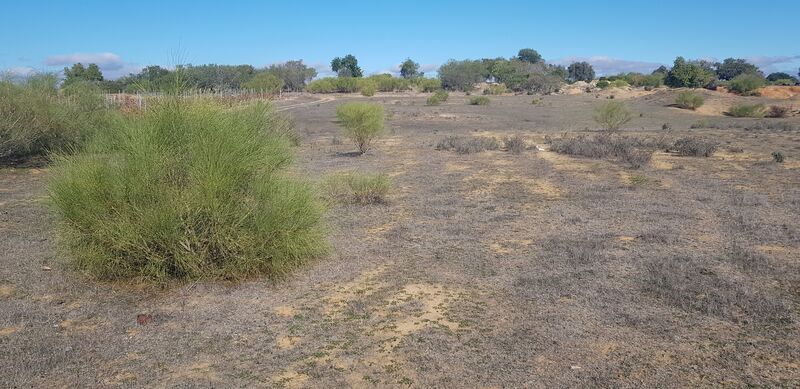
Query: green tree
(580, 71)
(410, 69)
(529, 55)
(772, 77)
(295, 74)
(661, 70)
(346, 66)
(732, 67)
(462, 75)
(689, 75)
(93, 73)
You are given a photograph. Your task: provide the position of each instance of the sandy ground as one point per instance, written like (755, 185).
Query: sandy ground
(484, 270)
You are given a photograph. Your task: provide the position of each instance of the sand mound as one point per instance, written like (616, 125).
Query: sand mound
(779, 92)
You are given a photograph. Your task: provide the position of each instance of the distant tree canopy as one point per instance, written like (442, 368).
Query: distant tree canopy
(529, 55)
(514, 73)
(410, 69)
(580, 71)
(732, 67)
(462, 75)
(695, 74)
(661, 70)
(78, 72)
(346, 66)
(295, 74)
(781, 76)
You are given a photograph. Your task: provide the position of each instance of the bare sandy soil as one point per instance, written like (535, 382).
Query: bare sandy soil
(483, 270)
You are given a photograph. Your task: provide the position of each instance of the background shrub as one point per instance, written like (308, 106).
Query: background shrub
(496, 89)
(187, 190)
(265, 82)
(515, 144)
(35, 120)
(603, 84)
(689, 100)
(612, 115)
(352, 188)
(777, 111)
(778, 157)
(467, 145)
(367, 87)
(479, 100)
(746, 84)
(361, 122)
(428, 84)
(580, 71)
(695, 146)
(633, 151)
(747, 111)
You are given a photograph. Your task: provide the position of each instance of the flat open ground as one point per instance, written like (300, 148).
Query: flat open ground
(482, 270)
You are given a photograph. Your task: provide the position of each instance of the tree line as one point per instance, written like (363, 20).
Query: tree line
(525, 72)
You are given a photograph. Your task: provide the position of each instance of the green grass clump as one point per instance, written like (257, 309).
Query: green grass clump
(479, 100)
(689, 100)
(352, 188)
(35, 119)
(612, 115)
(437, 97)
(188, 190)
(361, 122)
(747, 111)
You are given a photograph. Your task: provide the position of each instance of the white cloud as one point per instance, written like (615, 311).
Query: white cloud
(770, 64)
(106, 61)
(323, 69)
(112, 65)
(606, 65)
(21, 71)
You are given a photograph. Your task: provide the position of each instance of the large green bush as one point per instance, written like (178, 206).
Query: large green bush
(35, 119)
(188, 190)
(689, 75)
(361, 122)
(462, 75)
(612, 115)
(746, 84)
(428, 84)
(689, 100)
(265, 82)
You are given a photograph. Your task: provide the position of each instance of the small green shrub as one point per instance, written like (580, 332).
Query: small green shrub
(695, 146)
(351, 188)
(187, 190)
(620, 84)
(265, 82)
(777, 156)
(689, 100)
(428, 84)
(746, 84)
(603, 84)
(437, 97)
(467, 145)
(479, 100)
(367, 87)
(361, 122)
(612, 115)
(747, 111)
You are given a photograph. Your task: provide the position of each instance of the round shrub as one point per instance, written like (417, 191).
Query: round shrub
(603, 84)
(367, 87)
(479, 100)
(612, 115)
(361, 122)
(187, 190)
(689, 100)
(747, 111)
(746, 84)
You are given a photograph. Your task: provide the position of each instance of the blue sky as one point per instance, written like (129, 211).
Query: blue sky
(613, 35)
